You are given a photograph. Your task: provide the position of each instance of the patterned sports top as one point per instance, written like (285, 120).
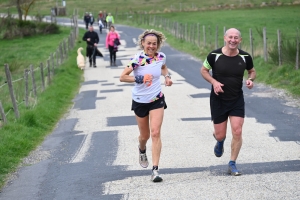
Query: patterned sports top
(142, 64)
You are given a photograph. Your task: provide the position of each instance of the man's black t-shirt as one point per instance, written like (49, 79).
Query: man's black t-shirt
(93, 36)
(228, 71)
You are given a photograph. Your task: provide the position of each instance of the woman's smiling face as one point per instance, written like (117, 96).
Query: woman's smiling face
(150, 45)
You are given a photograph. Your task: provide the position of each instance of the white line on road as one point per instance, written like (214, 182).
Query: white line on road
(83, 149)
(134, 41)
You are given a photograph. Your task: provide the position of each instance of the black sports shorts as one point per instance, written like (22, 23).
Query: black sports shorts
(143, 109)
(222, 109)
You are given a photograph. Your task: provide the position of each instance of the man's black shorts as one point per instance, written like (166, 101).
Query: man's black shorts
(143, 109)
(222, 109)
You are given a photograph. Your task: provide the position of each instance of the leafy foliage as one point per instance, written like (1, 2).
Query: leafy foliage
(11, 28)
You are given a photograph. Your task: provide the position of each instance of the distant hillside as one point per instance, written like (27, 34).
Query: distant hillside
(152, 6)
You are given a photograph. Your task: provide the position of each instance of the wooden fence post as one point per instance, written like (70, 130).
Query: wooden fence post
(210, 34)
(61, 53)
(52, 59)
(191, 33)
(251, 43)
(77, 27)
(49, 74)
(49, 65)
(11, 91)
(224, 30)
(185, 32)
(279, 48)
(216, 39)
(297, 53)
(33, 80)
(265, 44)
(176, 29)
(198, 34)
(65, 49)
(26, 87)
(204, 36)
(3, 117)
(42, 76)
(195, 34)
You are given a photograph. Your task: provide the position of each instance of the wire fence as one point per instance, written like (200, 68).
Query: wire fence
(270, 46)
(23, 89)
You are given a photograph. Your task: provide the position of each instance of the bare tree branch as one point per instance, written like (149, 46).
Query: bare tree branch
(24, 6)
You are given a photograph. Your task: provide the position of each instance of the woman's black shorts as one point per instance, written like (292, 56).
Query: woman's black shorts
(143, 109)
(222, 109)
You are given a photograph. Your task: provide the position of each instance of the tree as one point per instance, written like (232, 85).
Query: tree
(23, 7)
(20, 13)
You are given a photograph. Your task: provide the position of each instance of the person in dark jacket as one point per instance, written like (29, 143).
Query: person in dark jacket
(92, 39)
(87, 20)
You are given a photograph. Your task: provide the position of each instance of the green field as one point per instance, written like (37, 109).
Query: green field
(133, 6)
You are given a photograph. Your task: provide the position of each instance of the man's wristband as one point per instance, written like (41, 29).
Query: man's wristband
(251, 79)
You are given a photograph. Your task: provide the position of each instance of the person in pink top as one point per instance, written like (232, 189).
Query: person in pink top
(110, 44)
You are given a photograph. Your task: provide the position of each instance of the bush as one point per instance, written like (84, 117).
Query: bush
(11, 28)
(46, 28)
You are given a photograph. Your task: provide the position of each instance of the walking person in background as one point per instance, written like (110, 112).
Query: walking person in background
(226, 98)
(110, 39)
(92, 40)
(101, 17)
(86, 20)
(148, 101)
(92, 19)
(100, 26)
(104, 19)
(110, 20)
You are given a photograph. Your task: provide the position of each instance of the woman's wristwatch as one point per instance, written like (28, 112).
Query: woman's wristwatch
(168, 75)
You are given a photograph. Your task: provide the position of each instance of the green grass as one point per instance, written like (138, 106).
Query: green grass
(21, 136)
(19, 54)
(283, 77)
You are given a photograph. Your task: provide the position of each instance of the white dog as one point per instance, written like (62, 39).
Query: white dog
(80, 59)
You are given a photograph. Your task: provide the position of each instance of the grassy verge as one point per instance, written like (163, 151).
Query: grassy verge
(19, 137)
(19, 54)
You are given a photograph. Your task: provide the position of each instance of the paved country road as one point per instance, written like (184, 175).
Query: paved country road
(92, 153)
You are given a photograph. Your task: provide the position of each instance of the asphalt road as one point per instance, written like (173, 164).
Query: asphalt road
(92, 153)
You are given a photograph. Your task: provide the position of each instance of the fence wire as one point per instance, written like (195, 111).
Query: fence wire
(31, 83)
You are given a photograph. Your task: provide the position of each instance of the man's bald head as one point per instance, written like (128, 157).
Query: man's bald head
(233, 30)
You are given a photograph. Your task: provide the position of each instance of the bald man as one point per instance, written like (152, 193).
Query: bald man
(226, 98)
